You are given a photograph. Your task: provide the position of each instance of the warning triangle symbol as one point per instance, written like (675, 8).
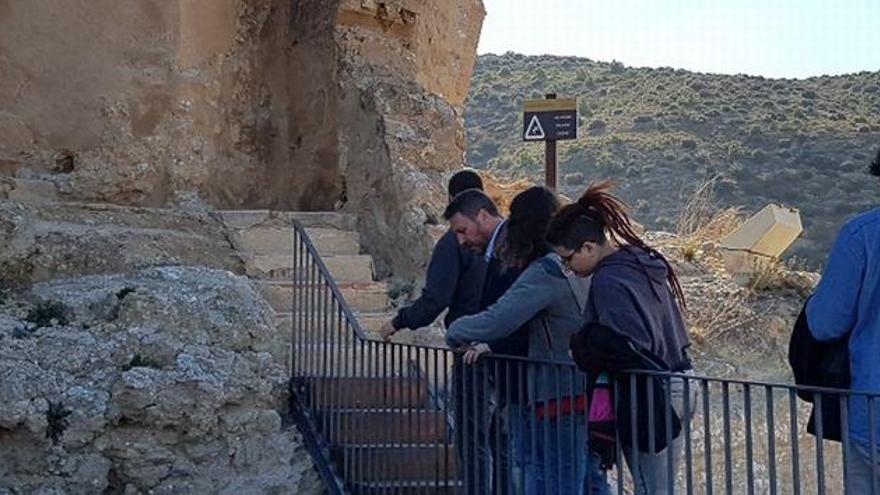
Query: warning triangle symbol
(534, 130)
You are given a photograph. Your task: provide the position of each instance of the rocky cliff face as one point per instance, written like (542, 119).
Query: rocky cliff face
(162, 381)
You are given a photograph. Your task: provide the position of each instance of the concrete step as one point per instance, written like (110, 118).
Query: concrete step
(239, 219)
(366, 392)
(344, 268)
(279, 240)
(363, 426)
(367, 298)
(413, 462)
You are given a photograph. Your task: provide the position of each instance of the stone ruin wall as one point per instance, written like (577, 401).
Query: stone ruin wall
(303, 105)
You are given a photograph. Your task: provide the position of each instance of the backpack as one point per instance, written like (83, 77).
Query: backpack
(820, 364)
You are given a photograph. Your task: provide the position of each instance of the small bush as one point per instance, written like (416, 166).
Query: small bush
(47, 313)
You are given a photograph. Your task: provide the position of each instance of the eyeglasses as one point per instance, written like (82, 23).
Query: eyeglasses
(566, 260)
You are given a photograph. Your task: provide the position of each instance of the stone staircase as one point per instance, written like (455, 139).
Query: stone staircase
(384, 433)
(265, 238)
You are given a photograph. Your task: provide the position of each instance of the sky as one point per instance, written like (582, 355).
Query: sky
(771, 38)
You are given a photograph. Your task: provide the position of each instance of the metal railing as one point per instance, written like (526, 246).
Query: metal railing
(404, 418)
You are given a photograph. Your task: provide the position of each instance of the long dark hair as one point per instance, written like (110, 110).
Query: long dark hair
(597, 216)
(530, 212)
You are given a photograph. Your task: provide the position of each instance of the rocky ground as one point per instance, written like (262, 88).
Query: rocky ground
(167, 380)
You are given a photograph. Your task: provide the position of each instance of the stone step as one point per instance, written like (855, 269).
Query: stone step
(260, 240)
(424, 487)
(370, 322)
(240, 219)
(362, 297)
(372, 463)
(344, 268)
(364, 426)
(362, 393)
(30, 191)
(352, 360)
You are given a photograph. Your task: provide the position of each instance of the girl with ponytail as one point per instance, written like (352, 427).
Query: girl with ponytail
(634, 321)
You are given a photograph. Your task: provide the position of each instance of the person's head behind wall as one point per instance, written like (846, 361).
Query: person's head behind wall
(530, 213)
(462, 181)
(473, 217)
(875, 166)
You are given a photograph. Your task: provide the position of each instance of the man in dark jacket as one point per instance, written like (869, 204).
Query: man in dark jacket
(454, 280)
(475, 220)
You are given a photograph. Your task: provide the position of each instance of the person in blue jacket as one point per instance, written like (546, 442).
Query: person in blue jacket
(548, 430)
(846, 304)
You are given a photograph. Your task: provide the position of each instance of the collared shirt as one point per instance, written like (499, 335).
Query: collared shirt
(490, 249)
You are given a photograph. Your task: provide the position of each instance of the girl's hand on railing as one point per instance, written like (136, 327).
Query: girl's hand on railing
(474, 352)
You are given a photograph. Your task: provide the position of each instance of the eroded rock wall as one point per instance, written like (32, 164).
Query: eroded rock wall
(143, 101)
(404, 68)
(309, 105)
(162, 381)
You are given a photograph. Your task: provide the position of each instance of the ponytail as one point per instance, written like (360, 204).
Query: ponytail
(597, 216)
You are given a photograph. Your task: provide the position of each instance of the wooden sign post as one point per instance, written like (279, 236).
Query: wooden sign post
(550, 120)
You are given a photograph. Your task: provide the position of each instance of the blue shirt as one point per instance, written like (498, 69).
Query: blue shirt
(847, 301)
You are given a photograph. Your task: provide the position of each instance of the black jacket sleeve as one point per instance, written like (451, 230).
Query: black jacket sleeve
(441, 282)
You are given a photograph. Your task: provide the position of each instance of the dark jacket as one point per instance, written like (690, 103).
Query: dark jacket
(498, 279)
(816, 363)
(630, 294)
(597, 348)
(454, 281)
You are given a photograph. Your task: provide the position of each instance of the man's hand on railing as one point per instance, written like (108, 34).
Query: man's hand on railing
(473, 353)
(387, 330)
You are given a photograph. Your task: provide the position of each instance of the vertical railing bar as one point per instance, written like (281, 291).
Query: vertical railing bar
(532, 416)
(845, 451)
(479, 405)
(294, 307)
(618, 443)
(448, 398)
(328, 371)
(313, 311)
(771, 438)
(522, 419)
(750, 468)
(793, 438)
(872, 436)
(670, 451)
(688, 453)
(707, 438)
(728, 448)
(557, 371)
(545, 430)
(652, 440)
(500, 424)
(463, 395)
(820, 454)
(634, 431)
(576, 424)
